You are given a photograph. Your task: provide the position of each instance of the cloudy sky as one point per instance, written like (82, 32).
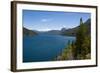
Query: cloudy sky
(52, 20)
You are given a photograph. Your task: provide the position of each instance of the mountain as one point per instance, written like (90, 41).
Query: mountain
(72, 31)
(27, 32)
(53, 32)
(63, 31)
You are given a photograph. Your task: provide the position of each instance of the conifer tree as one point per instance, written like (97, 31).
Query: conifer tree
(80, 37)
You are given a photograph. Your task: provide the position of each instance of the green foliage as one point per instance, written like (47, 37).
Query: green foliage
(82, 42)
(67, 53)
(79, 49)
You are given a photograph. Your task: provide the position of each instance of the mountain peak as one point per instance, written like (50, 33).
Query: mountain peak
(63, 29)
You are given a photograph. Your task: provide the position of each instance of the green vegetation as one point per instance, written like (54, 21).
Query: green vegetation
(82, 42)
(81, 48)
(27, 32)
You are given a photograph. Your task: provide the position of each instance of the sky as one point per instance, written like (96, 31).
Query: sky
(52, 20)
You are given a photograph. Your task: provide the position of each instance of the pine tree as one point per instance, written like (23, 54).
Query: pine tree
(74, 49)
(80, 37)
(79, 49)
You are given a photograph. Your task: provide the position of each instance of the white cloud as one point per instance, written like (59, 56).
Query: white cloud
(45, 20)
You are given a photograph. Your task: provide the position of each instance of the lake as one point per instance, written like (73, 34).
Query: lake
(43, 47)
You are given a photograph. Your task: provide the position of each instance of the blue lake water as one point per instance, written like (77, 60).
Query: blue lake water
(43, 47)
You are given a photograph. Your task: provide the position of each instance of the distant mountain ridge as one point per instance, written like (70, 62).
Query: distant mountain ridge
(63, 31)
(27, 32)
(72, 31)
(53, 32)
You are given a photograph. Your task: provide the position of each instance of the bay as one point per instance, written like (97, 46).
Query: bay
(44, 47)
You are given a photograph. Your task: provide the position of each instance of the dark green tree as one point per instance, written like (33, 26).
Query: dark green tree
(79, 49)
(74, 49)
(80, 38)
